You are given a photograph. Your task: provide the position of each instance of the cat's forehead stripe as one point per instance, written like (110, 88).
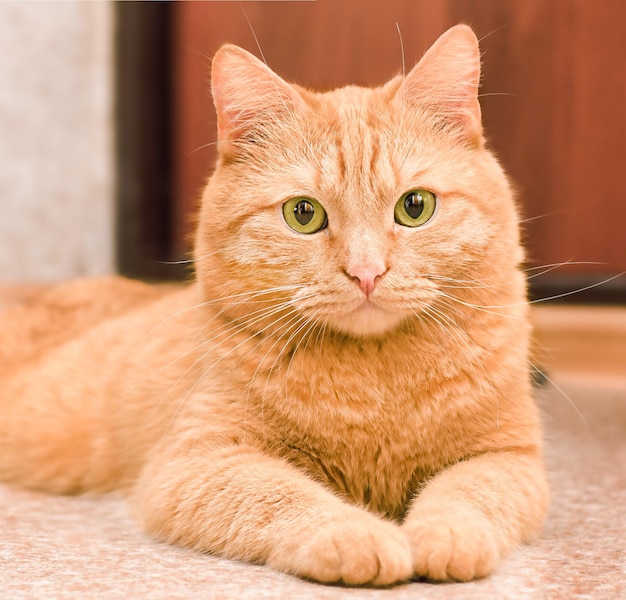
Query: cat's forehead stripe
(357, 152)
(359, 145)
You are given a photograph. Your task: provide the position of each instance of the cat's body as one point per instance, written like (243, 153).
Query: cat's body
(308, 381)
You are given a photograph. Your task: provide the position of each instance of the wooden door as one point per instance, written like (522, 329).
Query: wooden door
(553, 98)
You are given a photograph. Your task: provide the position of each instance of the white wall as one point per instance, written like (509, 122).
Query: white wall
(56, 135)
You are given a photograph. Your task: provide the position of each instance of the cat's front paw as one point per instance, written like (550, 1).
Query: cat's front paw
(457, 547)
(358, 550)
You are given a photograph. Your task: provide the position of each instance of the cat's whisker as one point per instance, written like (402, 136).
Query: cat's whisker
(496, 94)
(300, 324)
(432, 276)
(477, 284)
(564, 263)
(232, 328)
(484, 37)
(207, 145)
(484, 309)
(284, 330)
(279, 334)
(551, 381)
(401, 49)
(186, 261)
(553, 266)
(542, 216)
(561, 391)
(281, 328)
(311, 322)
(223, 329)
(273, 305)
(402, 110)
(455, 283)
(253, 318)
(206, 371)
(292, 325)
(256, 39)
(248, 295)
(460, 335)
(305, 336)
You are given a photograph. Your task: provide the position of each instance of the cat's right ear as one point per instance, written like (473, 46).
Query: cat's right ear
(247, 94)
(445, 83)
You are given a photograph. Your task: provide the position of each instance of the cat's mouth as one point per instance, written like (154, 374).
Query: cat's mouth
(369, 304)
(367, 317)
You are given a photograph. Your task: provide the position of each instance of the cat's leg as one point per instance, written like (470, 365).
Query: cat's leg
(475, 511)
(239, 503)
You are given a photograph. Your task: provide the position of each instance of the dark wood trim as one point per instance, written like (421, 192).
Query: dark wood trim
(143, 141)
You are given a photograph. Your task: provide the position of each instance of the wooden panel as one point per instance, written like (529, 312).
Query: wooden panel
(562, 131)
(582, 345)
(553, 100)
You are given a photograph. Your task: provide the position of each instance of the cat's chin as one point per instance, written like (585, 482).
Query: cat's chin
(367, 320)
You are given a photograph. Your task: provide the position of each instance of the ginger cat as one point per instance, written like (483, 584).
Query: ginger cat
(343, 393)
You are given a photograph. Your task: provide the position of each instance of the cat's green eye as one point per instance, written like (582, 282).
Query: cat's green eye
(304, 215)
(415, 208)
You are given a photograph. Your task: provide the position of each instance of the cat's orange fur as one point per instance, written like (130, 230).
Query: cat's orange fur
(271, 411)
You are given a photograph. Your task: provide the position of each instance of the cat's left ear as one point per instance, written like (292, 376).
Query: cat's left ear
(445, 83)
(247, 94)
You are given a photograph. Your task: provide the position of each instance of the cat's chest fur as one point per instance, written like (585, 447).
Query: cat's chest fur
(364, 418)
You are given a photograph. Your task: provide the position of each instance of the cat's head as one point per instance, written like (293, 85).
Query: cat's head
(359, 209)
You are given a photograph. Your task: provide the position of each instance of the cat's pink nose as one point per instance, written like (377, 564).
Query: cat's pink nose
(367, 274)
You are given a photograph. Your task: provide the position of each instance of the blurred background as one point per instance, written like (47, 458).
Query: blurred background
(106, 120)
